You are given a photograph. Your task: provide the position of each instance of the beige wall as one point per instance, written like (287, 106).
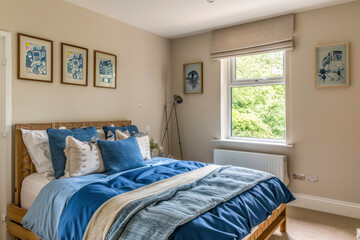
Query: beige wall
(199, 114)
(144, 67)
(143, 70)
(324, 123)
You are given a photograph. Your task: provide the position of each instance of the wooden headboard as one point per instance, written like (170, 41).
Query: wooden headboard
(23, 165)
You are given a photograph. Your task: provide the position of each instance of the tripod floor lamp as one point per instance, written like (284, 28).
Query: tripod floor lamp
(176, 100)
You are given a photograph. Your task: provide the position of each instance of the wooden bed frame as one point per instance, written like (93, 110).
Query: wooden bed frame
(23, 167)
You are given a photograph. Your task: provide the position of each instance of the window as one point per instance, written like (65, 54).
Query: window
(257, 96)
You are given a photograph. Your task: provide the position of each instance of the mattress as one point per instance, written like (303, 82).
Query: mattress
(31, 187)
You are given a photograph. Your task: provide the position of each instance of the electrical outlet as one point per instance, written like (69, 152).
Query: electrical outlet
(3, 218)
(313, 179)
(299, 176)
(147, 128)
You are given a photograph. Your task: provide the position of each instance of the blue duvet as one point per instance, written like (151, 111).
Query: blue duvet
(73, 206)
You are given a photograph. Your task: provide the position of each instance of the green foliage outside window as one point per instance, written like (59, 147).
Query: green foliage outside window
(259, 66)
(259, 111)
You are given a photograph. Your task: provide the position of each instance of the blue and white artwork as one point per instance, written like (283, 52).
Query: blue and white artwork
(75, 65)
(35, 58)
(106, 71)
(331, 66)
(36, 62)
(193, 78)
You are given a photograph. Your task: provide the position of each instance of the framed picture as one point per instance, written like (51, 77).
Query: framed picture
(35, 58)
(74, 65)
(193, 77)
(332, 65)
(104, 70)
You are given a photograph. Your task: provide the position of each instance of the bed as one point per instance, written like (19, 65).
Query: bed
(25, 168)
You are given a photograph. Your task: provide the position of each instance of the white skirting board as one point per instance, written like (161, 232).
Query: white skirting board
(347, 209)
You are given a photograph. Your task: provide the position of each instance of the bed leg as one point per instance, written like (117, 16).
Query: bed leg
(283, 224)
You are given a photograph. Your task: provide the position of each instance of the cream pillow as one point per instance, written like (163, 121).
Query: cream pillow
(110, 136)
(144, 144)
(142, 139)
(122, 135)
(101, 134)
(82, 158)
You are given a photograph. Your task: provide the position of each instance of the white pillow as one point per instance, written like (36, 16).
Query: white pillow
(142, 139)
(82, 158)
(37, 144)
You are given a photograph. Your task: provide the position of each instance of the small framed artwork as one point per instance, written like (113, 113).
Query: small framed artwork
(104, 70)
(332, 65)
(193, 78)
(35, 58)
(74, 65)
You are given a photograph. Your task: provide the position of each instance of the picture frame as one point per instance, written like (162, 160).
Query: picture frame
(105, 70)
(332, 65)
(193, 78)
(35, 58)
(74, 65)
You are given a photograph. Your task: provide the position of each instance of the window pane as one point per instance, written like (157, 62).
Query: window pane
(259, 111)
(260, 66)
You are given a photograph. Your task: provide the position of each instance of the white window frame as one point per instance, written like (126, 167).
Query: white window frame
(233, 82)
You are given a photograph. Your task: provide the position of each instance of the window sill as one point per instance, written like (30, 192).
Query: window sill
(254, 143)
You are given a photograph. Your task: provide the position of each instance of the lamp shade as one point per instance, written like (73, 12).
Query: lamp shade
(178, 99)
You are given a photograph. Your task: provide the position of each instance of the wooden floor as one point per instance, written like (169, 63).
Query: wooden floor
(304, 224)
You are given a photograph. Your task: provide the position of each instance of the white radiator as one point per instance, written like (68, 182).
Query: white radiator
(274, 164)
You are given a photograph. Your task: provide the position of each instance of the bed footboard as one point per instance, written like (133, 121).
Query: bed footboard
(264, 230)
(15, 215)
(261, 232)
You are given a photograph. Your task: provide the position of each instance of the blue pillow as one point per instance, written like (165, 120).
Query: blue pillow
(57, 145)
(132, 129)
(121, 155)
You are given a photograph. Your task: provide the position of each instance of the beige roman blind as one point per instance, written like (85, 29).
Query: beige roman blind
(262, 36)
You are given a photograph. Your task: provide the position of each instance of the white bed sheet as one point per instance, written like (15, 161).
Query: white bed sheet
(31, 186)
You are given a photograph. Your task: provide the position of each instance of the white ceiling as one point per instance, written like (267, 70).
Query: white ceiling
(177, 18)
